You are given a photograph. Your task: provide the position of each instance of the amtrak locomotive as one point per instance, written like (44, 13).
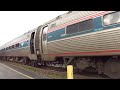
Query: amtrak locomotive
(85, 39)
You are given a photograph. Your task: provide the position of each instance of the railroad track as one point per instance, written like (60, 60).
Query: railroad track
(58, 72)
(76, 72)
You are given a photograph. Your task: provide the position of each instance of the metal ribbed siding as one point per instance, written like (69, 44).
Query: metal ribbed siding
(74, 16)
(100, 41)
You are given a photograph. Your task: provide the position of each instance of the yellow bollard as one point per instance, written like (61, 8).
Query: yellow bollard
(70, 72)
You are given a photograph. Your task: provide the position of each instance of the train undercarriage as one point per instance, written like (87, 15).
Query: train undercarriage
(107, 65)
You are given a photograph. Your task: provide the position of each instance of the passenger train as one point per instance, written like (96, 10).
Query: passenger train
(85, 39)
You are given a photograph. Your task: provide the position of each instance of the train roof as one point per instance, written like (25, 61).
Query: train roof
(70, 16)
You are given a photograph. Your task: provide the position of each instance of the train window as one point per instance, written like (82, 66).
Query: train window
(81, 26)
(7, 48)
(111, 18)
(86, 25)
(12, 46)
(72, 29)
(45, 33)
(17, 45)
(44, 37)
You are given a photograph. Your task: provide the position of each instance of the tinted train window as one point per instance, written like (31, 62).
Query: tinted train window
(111, 18)
(44, 37)
(72, 28)
(12, 46)
(17, 45)
(45, 33)
(7, 48)
(81, 26)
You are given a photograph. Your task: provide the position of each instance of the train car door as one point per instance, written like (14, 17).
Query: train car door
(32, 43)
(44, 40)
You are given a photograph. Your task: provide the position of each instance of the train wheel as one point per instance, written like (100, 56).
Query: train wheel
(29, 62)
(34, 63)
(112, 69)
(24, 61)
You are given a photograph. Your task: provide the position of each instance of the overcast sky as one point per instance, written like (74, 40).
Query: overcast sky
(16, 23)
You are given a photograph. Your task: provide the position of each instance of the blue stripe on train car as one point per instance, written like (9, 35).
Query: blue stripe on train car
(21, 45)
(56, 34)
(98, 23)
(60, 34)
(24, 44)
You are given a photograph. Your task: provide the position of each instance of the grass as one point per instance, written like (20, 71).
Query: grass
(50, 73)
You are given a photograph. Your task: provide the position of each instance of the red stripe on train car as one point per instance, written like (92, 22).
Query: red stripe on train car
(97, 52)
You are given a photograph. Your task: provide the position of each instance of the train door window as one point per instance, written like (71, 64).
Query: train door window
(45, 33)
(44, 37)
(32, 43)
(111, 18)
